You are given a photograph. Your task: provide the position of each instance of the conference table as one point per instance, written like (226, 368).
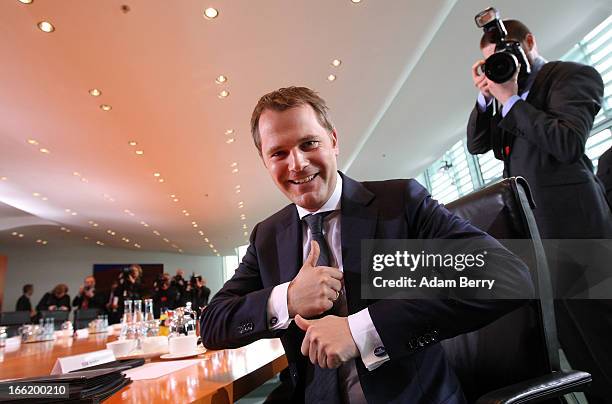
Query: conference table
(218, 377)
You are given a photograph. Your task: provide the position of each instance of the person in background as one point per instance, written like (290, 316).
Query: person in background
(540, 133)
(24, 303)
(197, 293)
(88, 297)
(57, 299)
(165, 296)
(604, 172)
(112, 304)
(180, 285)
(129, 286)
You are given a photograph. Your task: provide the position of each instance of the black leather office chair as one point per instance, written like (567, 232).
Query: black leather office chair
(516, 358)
(12, 320)
(82, 317)
(58, 316)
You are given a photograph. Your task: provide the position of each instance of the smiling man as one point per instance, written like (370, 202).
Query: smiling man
(300, 277)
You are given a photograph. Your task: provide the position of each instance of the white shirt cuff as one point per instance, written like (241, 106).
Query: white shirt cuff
(483, 103)
(278, 313)
(371, 349)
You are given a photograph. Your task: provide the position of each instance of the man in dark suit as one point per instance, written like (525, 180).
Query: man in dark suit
(604, 172)
(540, 133)
(340, 347)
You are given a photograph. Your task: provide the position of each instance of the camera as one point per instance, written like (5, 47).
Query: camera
(509, 55)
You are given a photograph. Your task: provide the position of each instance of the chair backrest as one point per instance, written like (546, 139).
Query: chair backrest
(12, 320)
(82, 317)
(58, 316)
(522, 344)
(15, 318)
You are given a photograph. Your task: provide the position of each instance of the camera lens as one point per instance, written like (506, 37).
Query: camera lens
(501, 66)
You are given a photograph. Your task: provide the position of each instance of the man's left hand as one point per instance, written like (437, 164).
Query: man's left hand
(503, 91)
(328, 341)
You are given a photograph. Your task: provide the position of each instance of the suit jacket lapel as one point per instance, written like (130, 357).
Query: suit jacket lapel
(289, 246)
(358, 222)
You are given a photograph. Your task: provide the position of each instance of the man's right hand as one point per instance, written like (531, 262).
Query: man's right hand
(480, 80)
(315, 288)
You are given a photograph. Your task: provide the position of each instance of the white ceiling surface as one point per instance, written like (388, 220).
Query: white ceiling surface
(403, 91)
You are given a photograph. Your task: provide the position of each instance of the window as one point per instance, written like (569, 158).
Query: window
(457, 172)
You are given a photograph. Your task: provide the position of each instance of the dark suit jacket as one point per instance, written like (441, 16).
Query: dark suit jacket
(604, 172)
(546, 135)
(417, 371)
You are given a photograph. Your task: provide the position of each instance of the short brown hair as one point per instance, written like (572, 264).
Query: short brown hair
(286, 98)
(61, 288)
(517, 31)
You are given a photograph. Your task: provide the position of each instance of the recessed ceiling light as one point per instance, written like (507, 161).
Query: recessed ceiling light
(44, 198)
(336, 62)
(211, 13)
(331, 77)
(221, 79)
(356, 1)
(186, 213)
(76, 174)
(3, 178)
(73, 213)
(94, 92)
(238, 191)
(206, 239)
(179, 250)
(244, 226)
(229, 132)
(139, 152)
(214, 251)
(156, 174)
(36, 194)
(156, 232)
(160, 180)
(26, 1)
(46, 26)
(137, 245)
(230, 140)
(132, 143)
(172, 196)
(32, 142)
(223, 94)
(99, 243)
(176, 199)
(44, 242)
(234, 164)
(68, 210)
(195, 225)
(84, 179)
(235, 170)
(211, 246)
(246, 233)
(218, 255)
(20, 235)
(43, 150)
(201, 232)
(166, 240)
(106, 107)
(14, 233)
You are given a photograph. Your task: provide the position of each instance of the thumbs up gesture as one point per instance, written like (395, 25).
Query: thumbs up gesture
(315, 288)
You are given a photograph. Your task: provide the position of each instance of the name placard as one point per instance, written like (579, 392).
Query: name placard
(75, 362)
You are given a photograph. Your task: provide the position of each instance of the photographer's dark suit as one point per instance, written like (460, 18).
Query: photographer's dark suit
(417, 371)
(543, 139)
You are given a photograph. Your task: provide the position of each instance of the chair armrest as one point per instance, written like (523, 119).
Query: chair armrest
(539, 388)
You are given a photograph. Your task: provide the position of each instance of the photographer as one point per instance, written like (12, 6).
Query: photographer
(537, 122)
(197, 293)
(165, 296)
(129, 287)
(88, 298)
(180, 285)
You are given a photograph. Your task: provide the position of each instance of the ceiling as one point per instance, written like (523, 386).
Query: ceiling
(401, 97)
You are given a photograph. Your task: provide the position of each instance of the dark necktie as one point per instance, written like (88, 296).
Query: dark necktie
(323, 386)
